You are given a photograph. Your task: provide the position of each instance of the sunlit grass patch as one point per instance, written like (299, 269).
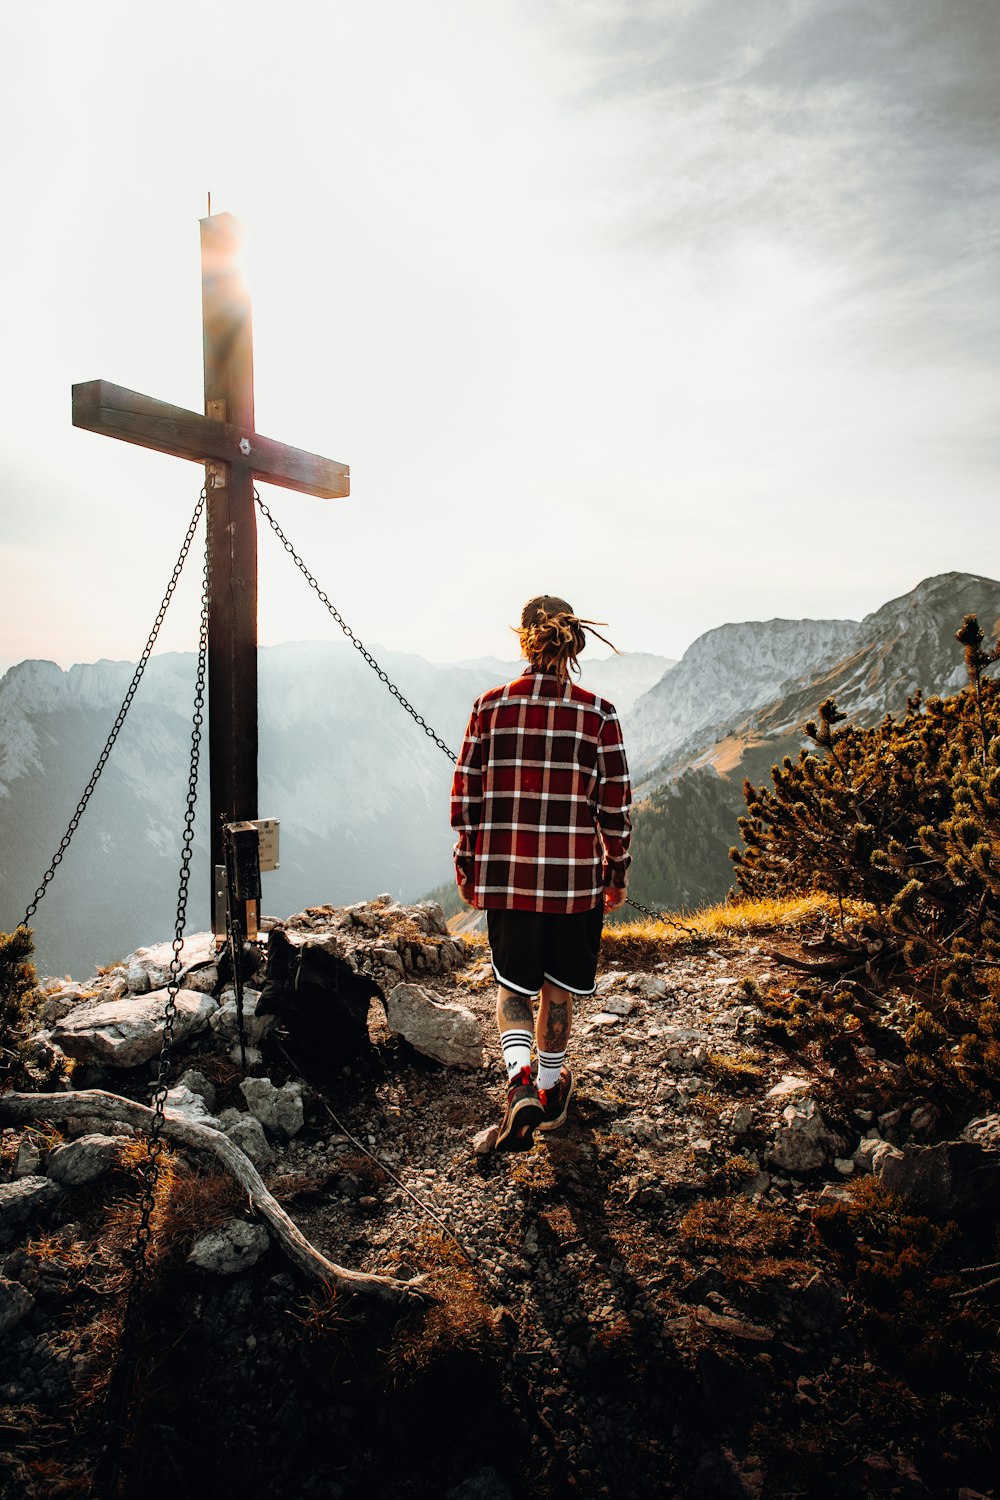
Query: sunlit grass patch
(645, 941)
(744, 1066)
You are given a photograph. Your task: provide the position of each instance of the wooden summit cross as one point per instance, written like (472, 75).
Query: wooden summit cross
(234, 456)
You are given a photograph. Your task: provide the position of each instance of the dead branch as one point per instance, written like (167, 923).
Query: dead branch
(844, 964)
(98, 1102)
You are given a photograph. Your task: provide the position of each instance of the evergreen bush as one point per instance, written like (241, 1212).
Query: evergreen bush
(17, 989)
(905, 816)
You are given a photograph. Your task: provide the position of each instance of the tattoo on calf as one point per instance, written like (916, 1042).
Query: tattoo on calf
(557, 1030)
(514, 1013)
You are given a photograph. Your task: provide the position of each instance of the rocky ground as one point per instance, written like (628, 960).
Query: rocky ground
(740, 1268)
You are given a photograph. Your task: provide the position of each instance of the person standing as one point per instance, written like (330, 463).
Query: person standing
(540, 802)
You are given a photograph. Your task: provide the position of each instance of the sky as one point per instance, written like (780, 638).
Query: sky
(685, 310)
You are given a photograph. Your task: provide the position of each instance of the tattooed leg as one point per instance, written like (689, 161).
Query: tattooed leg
(555, 1017)
(515, 1024)
(514, 1012)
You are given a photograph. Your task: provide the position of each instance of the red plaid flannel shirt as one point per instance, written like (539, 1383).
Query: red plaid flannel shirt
(540, 797)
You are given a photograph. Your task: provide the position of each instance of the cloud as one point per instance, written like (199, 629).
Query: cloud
(866, 132)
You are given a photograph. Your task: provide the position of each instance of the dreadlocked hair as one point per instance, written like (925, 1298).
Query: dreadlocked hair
(552, 636)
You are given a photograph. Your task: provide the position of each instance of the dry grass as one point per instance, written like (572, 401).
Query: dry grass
(708, 1104)
(737, 1068)
(462, 1321)
(187, 1202)
(753, 1244)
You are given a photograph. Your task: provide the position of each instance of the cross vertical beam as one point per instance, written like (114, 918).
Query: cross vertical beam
(232, 536)
(235, 454)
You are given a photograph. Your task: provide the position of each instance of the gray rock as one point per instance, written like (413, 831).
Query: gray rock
(84, 1160)
(484, 1141)
(61, 1001)
(15, 1304)
(924, 1119)
(253, 1055)
(19, 1200)
(790, 1083)
(127, 1033)
(196, 1081)
(137, 979)
(447, 1032)
(433, 913)
(620, 1005)
(29, 1158)
(985, 1131)
(234, 1247)
(865, 1152)
(248, 1135)
(804, 1141)
(742, 1119)
(638, 1128)
(225, 1023)
(205, 979)
(922, 1174)
(278, 1110)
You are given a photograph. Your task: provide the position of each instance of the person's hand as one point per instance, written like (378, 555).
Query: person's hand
(614, 896)
(467, 891)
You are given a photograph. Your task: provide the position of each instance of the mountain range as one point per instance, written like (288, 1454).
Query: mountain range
(362, 793)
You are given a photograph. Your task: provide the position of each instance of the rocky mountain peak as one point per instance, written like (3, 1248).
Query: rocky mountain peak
(723, 673)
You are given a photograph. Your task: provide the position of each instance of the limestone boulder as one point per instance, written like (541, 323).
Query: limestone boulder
(15, 1304)
(181, 1100)
(127, 1033)
(920, 1173)
(248, 1135)
(84, 1160)
(444, 1030)
(28, 1159)
(235, 1246)
(279, 1110)
(21, 1200)
(225, 1022)
(984, 1131)
(195, 1080)
(955, 1177)
(803, 1140)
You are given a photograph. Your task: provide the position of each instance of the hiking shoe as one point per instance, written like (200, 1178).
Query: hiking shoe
(555, 1101)
(522, 1114)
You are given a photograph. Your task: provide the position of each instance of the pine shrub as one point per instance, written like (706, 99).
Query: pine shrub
(17, 990)
(904, 816)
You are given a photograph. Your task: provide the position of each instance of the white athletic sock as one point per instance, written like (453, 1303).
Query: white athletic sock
(550, 1066)
(516, 1051)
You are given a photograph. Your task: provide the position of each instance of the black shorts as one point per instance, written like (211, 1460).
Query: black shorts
(532, 946)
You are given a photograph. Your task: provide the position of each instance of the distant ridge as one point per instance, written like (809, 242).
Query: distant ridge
(361, 792)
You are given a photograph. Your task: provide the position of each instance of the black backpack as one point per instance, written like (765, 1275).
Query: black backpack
(320, 1000)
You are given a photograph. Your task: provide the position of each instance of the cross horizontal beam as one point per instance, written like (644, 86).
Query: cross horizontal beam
(99, 406)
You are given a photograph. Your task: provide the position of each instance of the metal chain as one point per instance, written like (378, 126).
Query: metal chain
(658, 916)
(119, 721)
(358, 645)
(151, 1167)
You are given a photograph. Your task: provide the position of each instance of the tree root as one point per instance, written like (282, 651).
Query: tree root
(386, 1290)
